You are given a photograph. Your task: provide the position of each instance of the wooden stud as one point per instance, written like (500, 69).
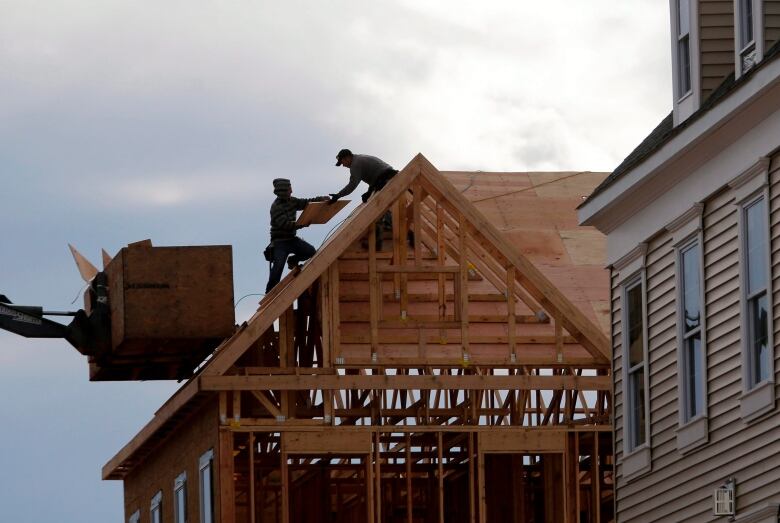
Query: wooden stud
(374, 291)
(510, 307)
(226, 484)
(440, 473)
(472, 504)
(335, 311)
(409, 496)
(369, 486)
(325, 318)
(251, 458)
(416, 220)
(464, 295)
(378, 476)
(595, 478)
(402, 246)
(285, 483)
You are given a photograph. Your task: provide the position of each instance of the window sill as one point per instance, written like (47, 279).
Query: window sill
(693, 434)
(637, 462)
(757, 401)
(685, 96)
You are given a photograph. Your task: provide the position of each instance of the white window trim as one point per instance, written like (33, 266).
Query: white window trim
(180, 484)
(687, 231)
(753, 184)
(135, 517)
(206, 460)
(156, 504)
(758, 35)
(630, 269)
(685, 104)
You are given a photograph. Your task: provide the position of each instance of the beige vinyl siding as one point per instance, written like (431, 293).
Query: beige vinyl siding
(716, 43)
(679, 487)
(771, 22)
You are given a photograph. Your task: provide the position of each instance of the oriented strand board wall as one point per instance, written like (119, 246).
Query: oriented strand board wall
(180, 453)
(679, 487)
(716, 43)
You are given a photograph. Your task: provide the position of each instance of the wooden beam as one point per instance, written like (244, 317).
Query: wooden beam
(267, 403)
(225, 466)
(335, 312)
(406, 382)
(440, 473)
(374, 290)
(251, 458)
(510, 309)
(463, 286)
(409, 496)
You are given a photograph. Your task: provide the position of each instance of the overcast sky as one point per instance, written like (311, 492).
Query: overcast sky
(125, 120)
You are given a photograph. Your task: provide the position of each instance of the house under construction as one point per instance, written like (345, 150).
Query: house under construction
(455, 369)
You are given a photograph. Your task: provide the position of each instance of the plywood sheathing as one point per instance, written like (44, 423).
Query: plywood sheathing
(536, 211)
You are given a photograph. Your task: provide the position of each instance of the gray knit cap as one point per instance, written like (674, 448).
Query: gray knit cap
(282, 187)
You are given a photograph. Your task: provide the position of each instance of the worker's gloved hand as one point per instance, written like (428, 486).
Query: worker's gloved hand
(333, 197)
(365, 196)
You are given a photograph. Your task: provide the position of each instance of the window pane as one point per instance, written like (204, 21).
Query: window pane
(684, 63)
(637, 408)
(156, 516)
(206, 509)
(635, 324)
(181, 506)
(759, 337)
(746, 21)
(756, 239)
(694, 375)
(683, 17)
(690, 262)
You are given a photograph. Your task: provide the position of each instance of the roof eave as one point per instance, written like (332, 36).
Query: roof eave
(607, 209)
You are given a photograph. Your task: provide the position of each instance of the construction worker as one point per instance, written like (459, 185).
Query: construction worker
(362, 168)
(284, 239)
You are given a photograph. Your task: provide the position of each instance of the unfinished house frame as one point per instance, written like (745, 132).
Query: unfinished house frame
(424, 371)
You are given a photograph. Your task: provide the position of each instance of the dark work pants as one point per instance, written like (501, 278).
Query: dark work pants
(300, 250)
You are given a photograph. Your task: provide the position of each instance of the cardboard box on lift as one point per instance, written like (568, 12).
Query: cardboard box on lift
(170, 307)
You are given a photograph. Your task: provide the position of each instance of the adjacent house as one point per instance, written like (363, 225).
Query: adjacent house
(692, 219)
(458, 370)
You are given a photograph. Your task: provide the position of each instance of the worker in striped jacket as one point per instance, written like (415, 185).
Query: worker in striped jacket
(284, 237)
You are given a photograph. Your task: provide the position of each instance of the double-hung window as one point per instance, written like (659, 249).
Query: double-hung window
(751, 195)
(756, 297)
(180, 498)
(683, 47)
(205, 476)
(155, 512)
(690, 336)
(747, 43)
(634, 354)
(135, 517)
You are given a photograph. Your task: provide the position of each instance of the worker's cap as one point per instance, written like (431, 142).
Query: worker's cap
(342, 154)
(282, 186)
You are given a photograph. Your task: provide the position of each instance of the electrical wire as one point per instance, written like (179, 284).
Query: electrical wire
(81, 291)
(246, 296)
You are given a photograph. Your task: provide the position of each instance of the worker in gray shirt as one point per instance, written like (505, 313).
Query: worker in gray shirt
(362, 168)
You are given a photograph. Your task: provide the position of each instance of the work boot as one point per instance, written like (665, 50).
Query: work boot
(292, 263)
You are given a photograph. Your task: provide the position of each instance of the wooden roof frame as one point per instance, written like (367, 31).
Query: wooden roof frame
(420, 172)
